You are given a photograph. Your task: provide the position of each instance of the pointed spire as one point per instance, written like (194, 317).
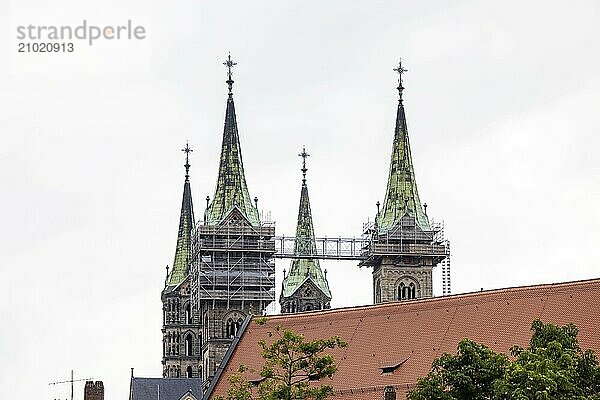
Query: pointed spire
(303, 269)
(402, 197)
(304, 228)
(180, 268)
(232, 191)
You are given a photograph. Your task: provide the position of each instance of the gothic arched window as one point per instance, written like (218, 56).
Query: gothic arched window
(188, 372)
(402, 291)
(188, 345)
(230, 328)
(238, 325)
(308, 307)
(188, 313)
(412, 291)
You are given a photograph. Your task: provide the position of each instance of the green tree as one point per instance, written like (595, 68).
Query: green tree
(552, 367)
(291, 369)
(467, 375)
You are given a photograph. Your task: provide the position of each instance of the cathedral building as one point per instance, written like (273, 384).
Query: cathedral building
(224, 268)
(305, 287)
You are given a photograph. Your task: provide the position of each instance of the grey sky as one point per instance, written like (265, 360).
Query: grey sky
(502, 105)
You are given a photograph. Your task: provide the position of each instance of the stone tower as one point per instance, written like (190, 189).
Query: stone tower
(182, 336)
(305, 288)
(405, 247)
(233, 270)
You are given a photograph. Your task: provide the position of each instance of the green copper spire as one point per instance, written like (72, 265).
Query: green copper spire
(231, 191)
(180, 268)
(305, 269)
(402, 197)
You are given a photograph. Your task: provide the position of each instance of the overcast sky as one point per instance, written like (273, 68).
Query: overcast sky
(503, 113)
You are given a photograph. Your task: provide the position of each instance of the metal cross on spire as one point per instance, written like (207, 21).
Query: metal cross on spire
(400, 70)
(304, 154)
(187, 152)
(229, 63)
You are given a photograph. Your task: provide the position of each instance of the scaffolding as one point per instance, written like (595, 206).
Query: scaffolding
(406, 240)
(445, 264)
(348, 248)
(353, 248)
(233, 261)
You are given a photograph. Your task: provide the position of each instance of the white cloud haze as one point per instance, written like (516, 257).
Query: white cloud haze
(502, 103)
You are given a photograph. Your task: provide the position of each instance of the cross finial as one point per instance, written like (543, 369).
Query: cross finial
(229, 63)
(304, 154)
(400, 70)
(187, 152)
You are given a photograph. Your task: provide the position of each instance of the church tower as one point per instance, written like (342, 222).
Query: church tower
(305, 288)
(404, 247)
(233, 271)
(182, 338)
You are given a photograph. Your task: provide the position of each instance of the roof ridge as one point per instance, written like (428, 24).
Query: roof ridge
(163, 379)
(439, 299)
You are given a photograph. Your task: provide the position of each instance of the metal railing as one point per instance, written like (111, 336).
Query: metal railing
(325, 248)
(352, 248)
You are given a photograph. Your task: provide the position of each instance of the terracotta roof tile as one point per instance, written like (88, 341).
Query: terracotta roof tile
(417, 332)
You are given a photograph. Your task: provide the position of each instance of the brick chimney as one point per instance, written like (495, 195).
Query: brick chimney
(389, 393)
(93, 390)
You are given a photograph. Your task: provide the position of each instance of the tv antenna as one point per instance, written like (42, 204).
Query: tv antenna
(71, 382)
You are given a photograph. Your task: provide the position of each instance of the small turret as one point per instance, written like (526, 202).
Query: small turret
(305, 287)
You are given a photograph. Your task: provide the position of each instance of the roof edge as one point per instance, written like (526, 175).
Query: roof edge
(227, 357)
(439, 299)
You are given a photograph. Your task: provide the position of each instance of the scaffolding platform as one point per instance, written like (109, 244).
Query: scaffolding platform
(233, 262)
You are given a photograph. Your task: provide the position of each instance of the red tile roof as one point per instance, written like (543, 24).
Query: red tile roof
(417, 332)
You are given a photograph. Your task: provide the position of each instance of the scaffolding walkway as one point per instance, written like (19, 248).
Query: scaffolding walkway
(327, 248)
(359, 249)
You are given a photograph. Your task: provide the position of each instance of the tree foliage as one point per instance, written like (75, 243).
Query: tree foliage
(552, 367)
(291, 369)
(467, 375)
